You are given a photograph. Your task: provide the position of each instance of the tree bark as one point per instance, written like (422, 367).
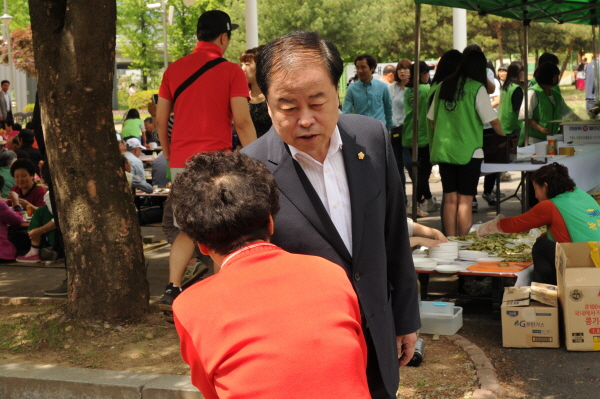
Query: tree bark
(567, 58)
(499, 37)
(74, 49)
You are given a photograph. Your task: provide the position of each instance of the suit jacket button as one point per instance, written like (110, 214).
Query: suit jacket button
(356, 276)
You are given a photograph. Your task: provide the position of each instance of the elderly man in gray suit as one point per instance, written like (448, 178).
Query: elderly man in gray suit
(340, 195)
(5, 106)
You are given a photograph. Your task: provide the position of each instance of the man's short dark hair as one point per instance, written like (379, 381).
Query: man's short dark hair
(148, 120)
(4, 81)
(389, 69)
(224, 200)
(209, 36)
(22, 164)
(27, 136)
(371, 61)
(548, 57)
(293, 52)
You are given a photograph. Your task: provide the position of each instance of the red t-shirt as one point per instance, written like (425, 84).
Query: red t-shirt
(272, 325)
(203, 111)
(545, 213)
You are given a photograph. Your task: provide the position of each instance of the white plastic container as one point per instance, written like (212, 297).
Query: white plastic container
(442, 319)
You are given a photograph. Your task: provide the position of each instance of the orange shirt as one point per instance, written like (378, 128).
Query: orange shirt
(272, 324)
(542, 214)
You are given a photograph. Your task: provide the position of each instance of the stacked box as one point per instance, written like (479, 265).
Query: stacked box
(579, 294)
(530, 317)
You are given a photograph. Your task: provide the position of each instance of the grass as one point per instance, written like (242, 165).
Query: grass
(575, 99)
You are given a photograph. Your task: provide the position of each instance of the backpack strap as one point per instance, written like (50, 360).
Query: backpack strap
(196, 75)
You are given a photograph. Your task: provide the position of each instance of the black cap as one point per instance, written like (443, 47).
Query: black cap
(215, 21)
(423, 67)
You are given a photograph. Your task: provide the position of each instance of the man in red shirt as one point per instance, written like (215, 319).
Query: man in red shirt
(265, 333)
(203, 114)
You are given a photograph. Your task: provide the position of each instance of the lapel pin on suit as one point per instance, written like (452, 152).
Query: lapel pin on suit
(361, 155)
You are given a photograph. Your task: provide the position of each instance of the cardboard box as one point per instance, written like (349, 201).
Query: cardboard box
(584, 132)
(530, 317)
(579, 295)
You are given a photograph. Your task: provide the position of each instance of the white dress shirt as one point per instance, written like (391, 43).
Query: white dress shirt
(330, 182)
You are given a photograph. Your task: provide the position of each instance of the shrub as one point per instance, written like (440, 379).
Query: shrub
(140, 99)
(28, 108)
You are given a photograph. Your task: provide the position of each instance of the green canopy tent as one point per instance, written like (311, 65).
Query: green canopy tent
(586, 12)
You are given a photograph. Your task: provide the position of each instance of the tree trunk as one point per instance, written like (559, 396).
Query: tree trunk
(567, 58)
(74, 49)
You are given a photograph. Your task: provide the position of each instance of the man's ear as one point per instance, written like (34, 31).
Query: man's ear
(203, 249)
(271, 225)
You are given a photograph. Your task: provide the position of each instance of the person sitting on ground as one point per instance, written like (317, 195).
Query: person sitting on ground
(26, 139)
(8, 218)
(570, 214)
(25, 192)
(6, 160)
(134, 150)
(133, 127)
(421, 235)
(133, 180)
(41, 231)
(254, 341)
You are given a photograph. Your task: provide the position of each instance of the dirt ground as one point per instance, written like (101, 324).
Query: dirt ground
(42, 334)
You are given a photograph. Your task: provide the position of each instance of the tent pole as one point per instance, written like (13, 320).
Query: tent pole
(525, 86)
(415, 138)
(596, 69)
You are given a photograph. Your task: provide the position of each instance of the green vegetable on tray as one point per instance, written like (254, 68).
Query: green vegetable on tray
(496, 243)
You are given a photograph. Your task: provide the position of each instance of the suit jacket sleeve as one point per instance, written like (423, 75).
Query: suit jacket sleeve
(401, 271)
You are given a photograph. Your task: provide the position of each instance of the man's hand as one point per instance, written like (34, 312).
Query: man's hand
(406, 348)
(35, 235)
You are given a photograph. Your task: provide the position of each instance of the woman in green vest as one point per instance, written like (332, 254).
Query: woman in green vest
(511, 99)
(426, 201)
(461, 107)
(570, 214)
(545, 105)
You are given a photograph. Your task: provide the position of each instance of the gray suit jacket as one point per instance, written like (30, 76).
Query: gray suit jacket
(381, 267)
(3, 106)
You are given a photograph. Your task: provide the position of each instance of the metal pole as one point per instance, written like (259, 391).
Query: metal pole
(416, 80)
(459, 28)
(595, 64)
(525, 88)
(164, 26)
(10, 64)
(251, 23)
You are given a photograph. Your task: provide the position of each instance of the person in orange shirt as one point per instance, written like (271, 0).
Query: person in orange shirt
(269, 324)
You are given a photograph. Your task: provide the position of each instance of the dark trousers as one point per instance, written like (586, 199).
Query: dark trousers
(376, 387)
(396, 140)
(424, 167)
(544, 266)
(489, 181)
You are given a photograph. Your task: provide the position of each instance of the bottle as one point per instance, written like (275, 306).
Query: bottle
(154, 154)
(551, 145)
(417, 358)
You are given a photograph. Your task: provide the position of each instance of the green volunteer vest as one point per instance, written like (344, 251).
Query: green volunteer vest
(458, 128)
(509, 119)
(555, 89)
(546, 112)
(430, 96)
(407, 130)
(581, 214)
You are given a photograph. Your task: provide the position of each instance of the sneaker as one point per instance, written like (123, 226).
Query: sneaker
(61, 290)
(48, 255)
(29, 259)
(421, 214)
(431, 205)
(166, 302)
(489, 198)
(502, 195)
(193, 274)
(506, 176)
(475, 205)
